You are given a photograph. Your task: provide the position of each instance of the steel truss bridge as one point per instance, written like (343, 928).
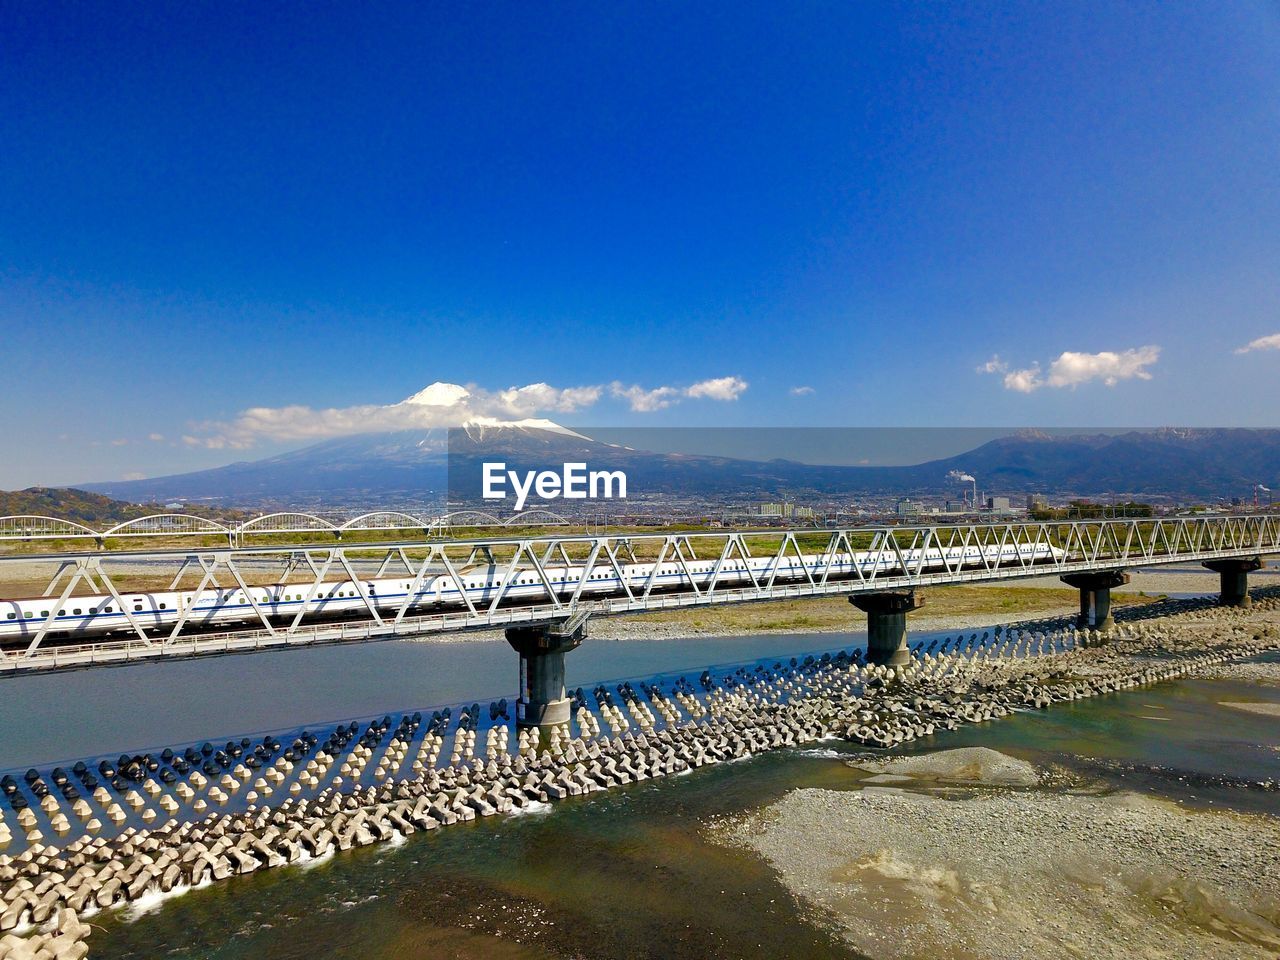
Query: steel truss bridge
(1084, 546)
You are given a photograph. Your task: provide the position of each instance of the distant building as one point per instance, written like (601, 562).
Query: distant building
(804, 513)
(906, 507)
(956, 506)
(783, 509)
(1037, 501)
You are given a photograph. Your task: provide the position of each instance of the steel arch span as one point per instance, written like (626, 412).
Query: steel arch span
(539, 518)
(37, 527)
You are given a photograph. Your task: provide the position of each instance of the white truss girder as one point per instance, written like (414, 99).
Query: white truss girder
(1083, 545)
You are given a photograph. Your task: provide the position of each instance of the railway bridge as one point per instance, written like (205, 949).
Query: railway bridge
(545, 614)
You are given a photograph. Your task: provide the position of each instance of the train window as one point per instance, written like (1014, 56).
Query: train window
(76, 611)
(44, 613)
(27, 614)
(161, 607)
(137, 608)
(62, 613)
(13, 616)
(109, 610)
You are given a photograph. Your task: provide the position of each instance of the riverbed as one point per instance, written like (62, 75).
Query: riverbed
(644, 871)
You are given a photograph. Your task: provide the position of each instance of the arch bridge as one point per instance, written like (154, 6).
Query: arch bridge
(182, 528)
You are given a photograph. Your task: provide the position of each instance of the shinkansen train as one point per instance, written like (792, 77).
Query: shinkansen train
(225, 607)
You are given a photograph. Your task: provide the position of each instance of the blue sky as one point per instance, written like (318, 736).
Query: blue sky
(314, 212)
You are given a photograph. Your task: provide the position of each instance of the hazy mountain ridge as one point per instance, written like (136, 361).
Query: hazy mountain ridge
(1170, 462)
(70, 503)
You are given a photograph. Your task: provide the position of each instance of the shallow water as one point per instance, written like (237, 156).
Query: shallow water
(1174, 739)
(633, 874)
(51, 718)
(624, 874)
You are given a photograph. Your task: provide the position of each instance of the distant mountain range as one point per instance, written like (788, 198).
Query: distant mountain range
(415, 467)
(91, 509)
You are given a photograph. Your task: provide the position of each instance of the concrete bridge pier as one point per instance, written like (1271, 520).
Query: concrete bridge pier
(1095, 596)
(1233, 579)
(542, 701)
(887, 624)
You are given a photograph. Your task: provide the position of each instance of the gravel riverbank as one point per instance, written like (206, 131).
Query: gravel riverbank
(969, 854)
(1265, 672)
(1032, 874)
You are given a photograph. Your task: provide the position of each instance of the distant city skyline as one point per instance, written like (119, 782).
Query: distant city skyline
(229, 231)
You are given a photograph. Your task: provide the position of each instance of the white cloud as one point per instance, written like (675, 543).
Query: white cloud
(522, 401)
(441, 405)
(119, 442)
(1071, 369)
(801, 391)
(642, 400)
(721, 388)
(134, 476)
(645, 401)
(155, 437)
(1024, 381)
(1269, 342)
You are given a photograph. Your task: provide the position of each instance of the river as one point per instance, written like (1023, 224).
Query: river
(629, 873)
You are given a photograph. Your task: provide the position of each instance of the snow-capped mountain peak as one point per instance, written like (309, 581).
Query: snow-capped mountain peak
(477, 427)
(439, 394)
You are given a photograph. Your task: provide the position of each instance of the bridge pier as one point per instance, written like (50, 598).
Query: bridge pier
(542, 701)
(1233, 579)
(887, 624)
(1095, 596)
